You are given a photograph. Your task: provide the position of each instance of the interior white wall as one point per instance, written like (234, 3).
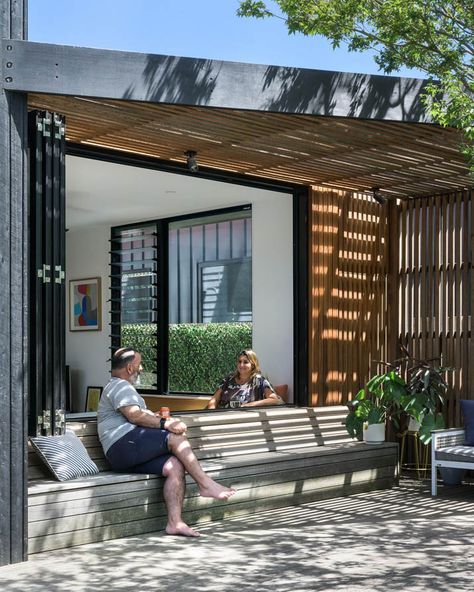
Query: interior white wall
(94, 194)
(87, 352)
(272, 286)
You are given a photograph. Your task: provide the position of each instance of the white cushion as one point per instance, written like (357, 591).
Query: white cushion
(456, 453)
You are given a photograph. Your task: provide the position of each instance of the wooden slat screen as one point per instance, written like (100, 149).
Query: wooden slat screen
(349, 303)
(435, 287)
(348, 308)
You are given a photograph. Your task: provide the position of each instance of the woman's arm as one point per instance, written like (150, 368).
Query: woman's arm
(270, 398)
(214, 402)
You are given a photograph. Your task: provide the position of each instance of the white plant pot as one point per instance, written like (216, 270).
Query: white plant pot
(374, 433)
(413, 425)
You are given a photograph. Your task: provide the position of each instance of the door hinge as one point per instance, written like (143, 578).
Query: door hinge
(47, 127)
(60, 275)
(60, 422)
(43, 273)
(43, 427)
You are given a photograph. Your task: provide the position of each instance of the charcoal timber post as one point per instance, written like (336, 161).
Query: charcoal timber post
(13, 297)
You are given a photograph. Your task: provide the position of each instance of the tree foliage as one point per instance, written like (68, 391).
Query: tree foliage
(434, 36)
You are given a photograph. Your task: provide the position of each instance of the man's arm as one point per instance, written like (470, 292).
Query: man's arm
(147, 419)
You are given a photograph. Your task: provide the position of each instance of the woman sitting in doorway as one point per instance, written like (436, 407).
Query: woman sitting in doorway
(246, 387)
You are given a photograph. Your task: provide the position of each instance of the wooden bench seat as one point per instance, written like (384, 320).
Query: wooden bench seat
(274, 457)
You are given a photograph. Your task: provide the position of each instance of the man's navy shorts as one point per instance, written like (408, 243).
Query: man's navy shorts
(142, 450)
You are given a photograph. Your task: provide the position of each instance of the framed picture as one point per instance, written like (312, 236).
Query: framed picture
(85, 305)
(92, 398)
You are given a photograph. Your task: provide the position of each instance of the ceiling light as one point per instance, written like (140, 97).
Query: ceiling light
(378, 197)
(191, 160)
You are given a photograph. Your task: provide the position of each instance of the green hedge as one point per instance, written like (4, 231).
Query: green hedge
(200, 355)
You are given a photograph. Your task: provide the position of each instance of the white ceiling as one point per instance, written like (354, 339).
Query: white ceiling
(99, 192)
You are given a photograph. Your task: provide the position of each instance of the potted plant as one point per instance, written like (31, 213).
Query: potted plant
(379, 400)
(418, 399)
(425, 395)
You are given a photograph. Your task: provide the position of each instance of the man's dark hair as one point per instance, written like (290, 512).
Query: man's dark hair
(122, 357)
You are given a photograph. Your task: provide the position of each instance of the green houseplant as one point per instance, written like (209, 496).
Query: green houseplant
(426, 391)
(389, 396)
(379, 400)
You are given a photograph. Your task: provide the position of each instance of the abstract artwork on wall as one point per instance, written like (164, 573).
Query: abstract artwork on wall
(85, 305)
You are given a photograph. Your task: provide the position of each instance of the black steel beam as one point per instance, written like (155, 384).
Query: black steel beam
(13, 301)
(301, 234)
(86, 72)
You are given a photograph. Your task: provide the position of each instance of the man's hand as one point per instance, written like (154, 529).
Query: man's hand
(148, 419)
(175, 426)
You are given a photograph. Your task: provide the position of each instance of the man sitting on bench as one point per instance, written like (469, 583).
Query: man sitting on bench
(136, 440)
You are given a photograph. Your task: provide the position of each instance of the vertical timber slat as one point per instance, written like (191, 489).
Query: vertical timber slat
(449, 354)
(457, 304)
(403, 271)
(471, 294)
(437, 275)
(424, 246)
(393, 289)
(465, 290)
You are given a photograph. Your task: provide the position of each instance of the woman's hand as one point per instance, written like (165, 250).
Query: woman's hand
(271, 398)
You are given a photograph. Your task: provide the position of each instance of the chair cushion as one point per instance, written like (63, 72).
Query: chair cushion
(282, 391)
(456, 453)
(65, 456)
(467, 409)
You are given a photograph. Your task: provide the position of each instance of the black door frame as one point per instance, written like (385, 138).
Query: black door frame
(300, 197)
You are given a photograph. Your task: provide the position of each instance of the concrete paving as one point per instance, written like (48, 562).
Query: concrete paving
(383, 541)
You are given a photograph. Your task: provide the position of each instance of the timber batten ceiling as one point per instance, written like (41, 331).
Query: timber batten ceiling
(311, 127)
(403, 159)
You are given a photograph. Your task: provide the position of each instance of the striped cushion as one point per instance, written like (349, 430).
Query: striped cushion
(456, 453)
(65, 456)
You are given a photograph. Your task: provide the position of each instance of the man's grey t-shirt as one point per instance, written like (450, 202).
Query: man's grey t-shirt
(111, 423)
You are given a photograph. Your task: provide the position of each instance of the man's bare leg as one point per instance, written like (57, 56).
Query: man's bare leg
(181, 448)
(173, 492)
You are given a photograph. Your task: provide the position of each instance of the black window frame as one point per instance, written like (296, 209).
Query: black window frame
(162, 323)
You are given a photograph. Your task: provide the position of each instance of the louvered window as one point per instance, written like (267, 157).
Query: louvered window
(134, 299)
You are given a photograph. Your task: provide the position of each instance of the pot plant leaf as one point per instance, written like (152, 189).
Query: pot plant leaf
(430, 422)
(354, 424)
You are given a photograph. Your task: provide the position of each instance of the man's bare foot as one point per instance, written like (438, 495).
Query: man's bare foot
(181, 529)
(216, 490)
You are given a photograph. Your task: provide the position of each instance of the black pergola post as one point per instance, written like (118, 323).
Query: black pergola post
(13, 297)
